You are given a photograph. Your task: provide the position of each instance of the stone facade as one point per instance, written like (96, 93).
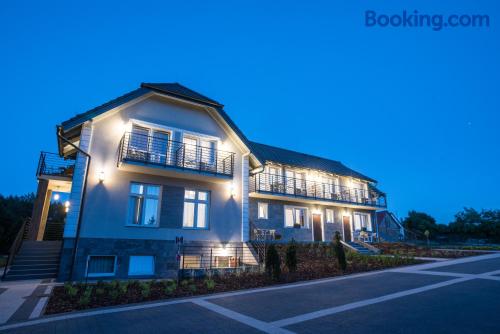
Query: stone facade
(164, 252)
(276, 220)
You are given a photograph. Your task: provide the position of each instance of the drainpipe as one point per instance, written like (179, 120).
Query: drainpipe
(82, 201)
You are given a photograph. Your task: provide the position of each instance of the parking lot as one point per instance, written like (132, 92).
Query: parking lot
(456, 296)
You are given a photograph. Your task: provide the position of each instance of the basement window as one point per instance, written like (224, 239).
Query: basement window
(101, 265)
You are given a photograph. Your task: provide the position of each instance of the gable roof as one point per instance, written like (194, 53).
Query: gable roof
(170, 89)
(288, 157)
(261, 152)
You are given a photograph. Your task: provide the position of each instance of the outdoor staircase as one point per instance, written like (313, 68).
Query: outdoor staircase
(35, 260)
(360, 248)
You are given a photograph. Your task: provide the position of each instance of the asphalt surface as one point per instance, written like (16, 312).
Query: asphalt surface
(458, 296)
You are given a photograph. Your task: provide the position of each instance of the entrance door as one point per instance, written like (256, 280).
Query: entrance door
(317, 228)
(347, 228)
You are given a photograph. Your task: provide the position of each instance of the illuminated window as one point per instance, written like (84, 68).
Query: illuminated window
(296, 217)
(263, 210)
(196, 205)
(143, 204)
(362, 221)
(330, 217)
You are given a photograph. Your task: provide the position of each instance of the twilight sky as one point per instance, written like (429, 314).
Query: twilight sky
(414, 108)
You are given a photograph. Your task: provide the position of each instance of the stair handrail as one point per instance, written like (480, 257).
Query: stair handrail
(14, 248)
(368, 246)
(348, 246)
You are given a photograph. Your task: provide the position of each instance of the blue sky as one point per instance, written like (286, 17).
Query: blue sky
(416, 109)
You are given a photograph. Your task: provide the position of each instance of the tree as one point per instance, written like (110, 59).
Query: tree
(419, 222)
(13, 211)
(291, 256)
(339, 251)
(273, 263)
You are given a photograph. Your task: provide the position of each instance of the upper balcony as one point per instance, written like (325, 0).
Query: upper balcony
(272, 184)
(52, 166)
(157, 151)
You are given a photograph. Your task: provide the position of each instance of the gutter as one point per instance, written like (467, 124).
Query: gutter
(82, 201)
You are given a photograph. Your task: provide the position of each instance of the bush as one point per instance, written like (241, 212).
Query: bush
(273, 263)
(123, 287)
(339, 252)
(210, 284)
(170, 286)
(70, 289)
(85, 297)
(291, 256)
(145, 289)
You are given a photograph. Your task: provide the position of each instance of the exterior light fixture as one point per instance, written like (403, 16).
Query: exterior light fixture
(101, 176)
(232, 189)
(56, 197)
(66, 204)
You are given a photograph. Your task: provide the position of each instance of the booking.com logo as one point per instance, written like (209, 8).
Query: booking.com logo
(415, 19)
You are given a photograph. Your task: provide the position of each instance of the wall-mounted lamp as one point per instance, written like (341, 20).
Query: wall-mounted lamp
(232, 189)
(101, 176)
(56, 197)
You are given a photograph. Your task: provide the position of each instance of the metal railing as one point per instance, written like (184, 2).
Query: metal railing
(54, 165)
(290, 186)
(16, 244)
(160, 151)
(215, 257)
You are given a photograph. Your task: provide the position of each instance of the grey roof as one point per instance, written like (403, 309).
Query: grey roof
(262, 152)
(288, 157)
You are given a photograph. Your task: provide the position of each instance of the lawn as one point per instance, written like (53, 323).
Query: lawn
(314, 261)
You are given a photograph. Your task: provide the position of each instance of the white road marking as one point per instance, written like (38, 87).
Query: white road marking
(260, 325)
(409, 269)
(350, 306)
(12, 299)
(39, 307)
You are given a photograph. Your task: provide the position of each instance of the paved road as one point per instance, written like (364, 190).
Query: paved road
(458, 296)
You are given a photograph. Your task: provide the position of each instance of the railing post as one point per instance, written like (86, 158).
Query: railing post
(211, 249)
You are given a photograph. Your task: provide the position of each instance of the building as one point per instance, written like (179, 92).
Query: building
(160, 177)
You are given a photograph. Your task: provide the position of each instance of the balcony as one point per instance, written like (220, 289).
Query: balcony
(272, 184)
(168, 154)
(52, 166)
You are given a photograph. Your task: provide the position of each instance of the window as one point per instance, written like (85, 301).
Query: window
(295, 182)
(141, 265)
(148, 144)
(190, 262)
(199, 151)
(98, 266)
(330, 216)
(296, 217)
(196, 205)
(362, 221)
(143, 204)
(263, 210)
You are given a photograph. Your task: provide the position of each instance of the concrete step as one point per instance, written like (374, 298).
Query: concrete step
(35, 266)
(31, 276)
(31, 271)
(35, 262)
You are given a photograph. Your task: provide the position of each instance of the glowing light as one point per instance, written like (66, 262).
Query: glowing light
(66, 204)
(224, 251)
(101, 176)
(232, 189)
(56, 197)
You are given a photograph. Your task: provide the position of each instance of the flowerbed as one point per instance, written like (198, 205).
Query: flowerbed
(403, 249)
(314, 261)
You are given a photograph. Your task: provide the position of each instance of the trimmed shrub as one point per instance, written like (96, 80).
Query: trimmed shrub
(291, 256)
(273, 263)
(210, 284)
(339, 251)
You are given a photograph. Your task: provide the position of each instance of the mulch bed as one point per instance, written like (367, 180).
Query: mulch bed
(315, 261)
(403, 249)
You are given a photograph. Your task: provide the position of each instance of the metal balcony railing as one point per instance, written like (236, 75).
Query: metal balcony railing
(154, 150)
(290, 186)
(51, 164)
